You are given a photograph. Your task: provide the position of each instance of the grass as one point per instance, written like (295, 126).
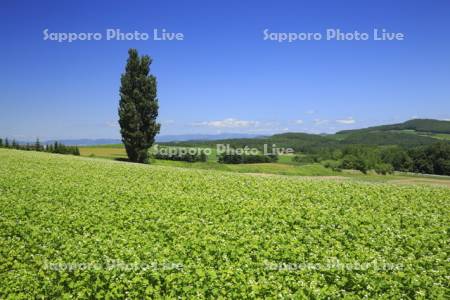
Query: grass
(442, 136)
(268, 168)
(74, 227)
(104, 151)
(285, 166)
(439, 136)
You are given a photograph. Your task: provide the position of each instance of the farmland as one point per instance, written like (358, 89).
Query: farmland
(85, 228)
(284, 166)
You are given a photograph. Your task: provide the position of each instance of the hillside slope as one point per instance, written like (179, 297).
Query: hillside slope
(86, 228)
(381, 138)
(420, 125)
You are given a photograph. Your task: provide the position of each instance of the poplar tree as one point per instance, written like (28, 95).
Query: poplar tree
(138, 107)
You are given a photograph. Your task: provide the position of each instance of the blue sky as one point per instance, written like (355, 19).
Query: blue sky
(224, 77)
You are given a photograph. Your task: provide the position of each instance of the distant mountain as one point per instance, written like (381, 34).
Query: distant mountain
(420, 125)
(410, 133)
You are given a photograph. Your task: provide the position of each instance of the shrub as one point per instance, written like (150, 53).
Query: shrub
(246, 158)
(398, 158)
(383, 168)
(335, 165)
(355, 163)
(181, 156)
(305, 159)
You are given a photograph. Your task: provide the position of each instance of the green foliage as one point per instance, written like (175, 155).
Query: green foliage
(208, 234)
(421, 125)
(335, 165)
(138, 107)
(15, 145)
(354, 162)
(398, 158)
(37, 146)
(431, 159)
(180, 154)
(246, 158)
(387, 138)
(384, 169)
(434, 159)
(305, 159)
(62, 149)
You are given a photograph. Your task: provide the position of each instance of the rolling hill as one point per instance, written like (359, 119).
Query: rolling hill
(417, 125)
(411, 133)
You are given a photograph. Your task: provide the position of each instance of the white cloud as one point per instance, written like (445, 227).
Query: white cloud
(269, 124)
(112, 124)
(298, 122)
(320, 122)
(228, 123)
(310, 112)
(346, 121)
(167, 122)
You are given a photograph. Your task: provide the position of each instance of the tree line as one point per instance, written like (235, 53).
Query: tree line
(246, 158)
(179, 156)
(201, 156)
(55, 147)
(427, 159)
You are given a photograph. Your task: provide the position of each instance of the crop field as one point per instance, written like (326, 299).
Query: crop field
(75, 227)
(104, 151)
(284, 166)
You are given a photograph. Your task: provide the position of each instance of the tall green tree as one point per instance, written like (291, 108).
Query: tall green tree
(138, 107)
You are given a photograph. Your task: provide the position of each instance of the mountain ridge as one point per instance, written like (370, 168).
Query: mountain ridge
(420, 125)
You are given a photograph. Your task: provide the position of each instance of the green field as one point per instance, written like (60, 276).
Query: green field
(74, 227)
(442, 136)
(284, 166)
(104, 151)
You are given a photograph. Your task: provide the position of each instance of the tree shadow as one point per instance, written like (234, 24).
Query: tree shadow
(125, 159)
(122, 159)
